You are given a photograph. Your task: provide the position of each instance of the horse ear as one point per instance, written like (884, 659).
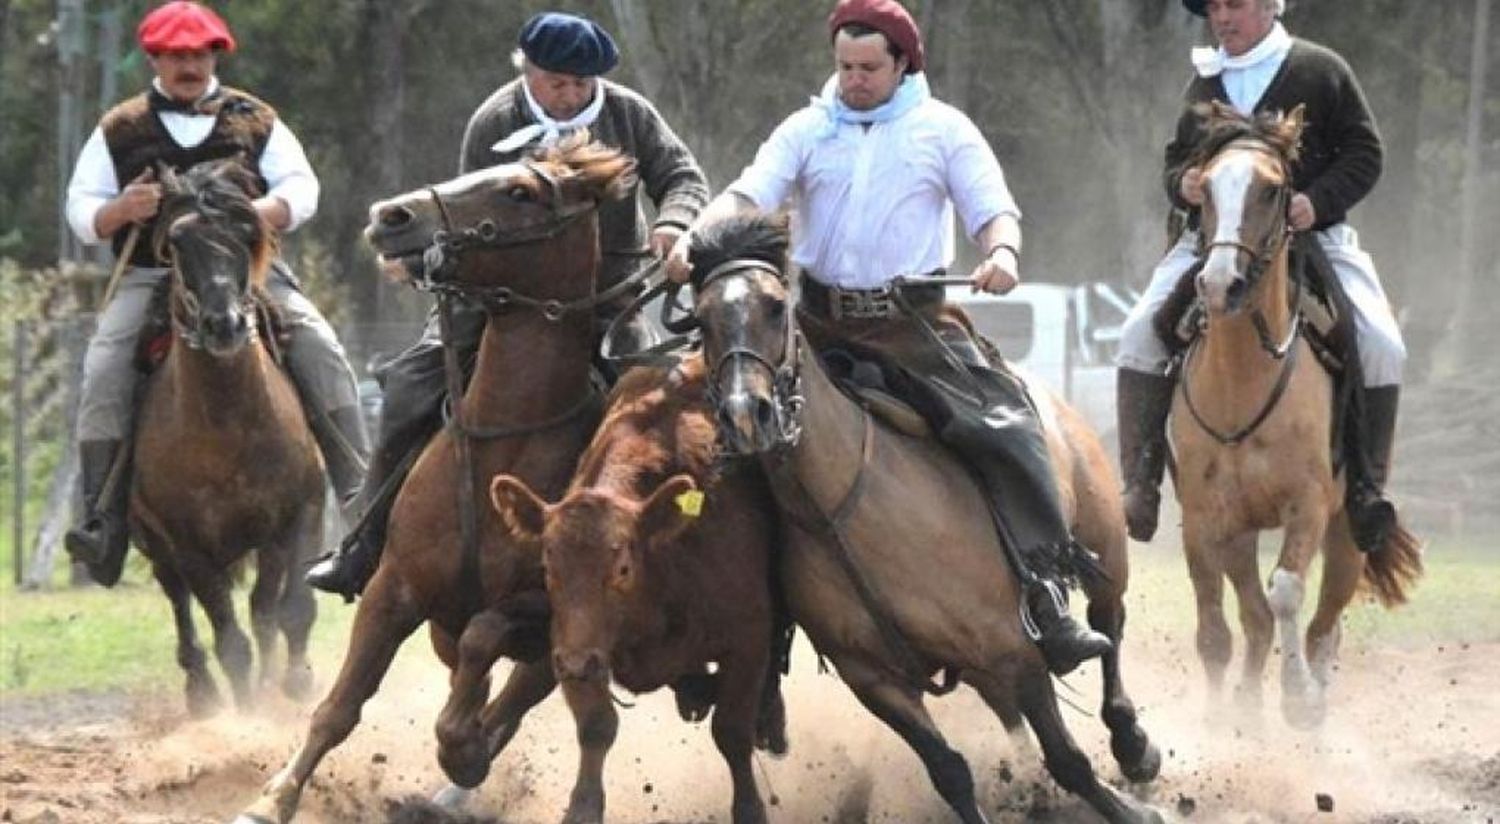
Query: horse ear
(521, 510)
(672, 508)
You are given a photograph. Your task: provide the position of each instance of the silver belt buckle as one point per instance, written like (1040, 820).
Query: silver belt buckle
(862, 303)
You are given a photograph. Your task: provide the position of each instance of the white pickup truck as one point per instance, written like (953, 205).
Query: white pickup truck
(1064, 336)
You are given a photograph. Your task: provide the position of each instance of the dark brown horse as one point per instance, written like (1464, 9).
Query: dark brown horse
(657, 564)
(898, 517)
(224, 461)
(1250, 431)
(523, 239)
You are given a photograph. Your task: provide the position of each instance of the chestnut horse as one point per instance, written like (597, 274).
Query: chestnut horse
(658, 562)
(523, 239)
(1250, 431)
(898, 517)
(225, 463)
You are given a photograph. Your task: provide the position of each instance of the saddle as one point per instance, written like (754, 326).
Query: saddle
(156, 337)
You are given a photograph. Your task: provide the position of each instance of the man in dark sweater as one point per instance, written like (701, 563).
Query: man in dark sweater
(561, 58)
(1258, 68)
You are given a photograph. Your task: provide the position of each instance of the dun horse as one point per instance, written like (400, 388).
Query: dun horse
(224, 460)
(523, 239)
(1251, 432)
(868, 508)
(658, 562)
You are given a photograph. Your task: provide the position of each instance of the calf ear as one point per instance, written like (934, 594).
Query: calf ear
(672, 508)
(523, 513)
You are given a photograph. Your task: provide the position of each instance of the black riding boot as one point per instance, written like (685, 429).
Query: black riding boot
(1143, 401)
(1372, 516)
(1065, 643)
(102, 540)
(346, 449)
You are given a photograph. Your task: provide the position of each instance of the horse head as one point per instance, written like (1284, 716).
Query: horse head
(593, 547)
(218, 248)
(1247, 187)
(496, 227)
(743, 305)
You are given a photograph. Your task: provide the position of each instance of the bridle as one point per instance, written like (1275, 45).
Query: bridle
(786, 378)
(187, 325)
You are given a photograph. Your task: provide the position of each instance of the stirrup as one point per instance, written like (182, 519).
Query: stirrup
(1028, 623)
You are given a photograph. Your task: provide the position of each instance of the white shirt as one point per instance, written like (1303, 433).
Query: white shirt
(283, 164)
(876, 203)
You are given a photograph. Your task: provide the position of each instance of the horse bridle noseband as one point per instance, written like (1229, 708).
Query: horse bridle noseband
(786, 378)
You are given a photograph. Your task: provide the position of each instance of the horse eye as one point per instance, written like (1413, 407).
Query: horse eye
(519, 193)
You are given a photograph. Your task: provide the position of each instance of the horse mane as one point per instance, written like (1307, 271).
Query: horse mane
(748, 235)
(221, 192)
(603, 168)
(1221, 125)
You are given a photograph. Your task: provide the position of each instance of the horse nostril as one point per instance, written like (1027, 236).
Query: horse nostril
(394, 217)
(1236, 292)
(765, 414)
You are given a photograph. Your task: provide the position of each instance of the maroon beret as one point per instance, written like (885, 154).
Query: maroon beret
(890, 19)
(183, 26)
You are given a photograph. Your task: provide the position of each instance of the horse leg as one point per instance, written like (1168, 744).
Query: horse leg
(231, 646)
(1067, 764)
(899, 705)
(462, 749)
(597, 723)
(298, 609)
(270, 579)
(1242, 563)
(527, 685)
(384, 619)
(999, 694)
(1343, 566)
(1301, 697)
(1138, 758)
(741, 682)
(202, 694)
(1215, 644)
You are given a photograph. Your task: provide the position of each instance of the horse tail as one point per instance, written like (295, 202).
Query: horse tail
(1394, 568)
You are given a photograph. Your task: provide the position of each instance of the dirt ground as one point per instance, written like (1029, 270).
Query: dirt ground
(1413, 736)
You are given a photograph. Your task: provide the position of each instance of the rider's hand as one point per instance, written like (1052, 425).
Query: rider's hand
(139, 200)
(663, 238)
(996, 274)
(1191, 186)
(677, 265)
(1300, 214)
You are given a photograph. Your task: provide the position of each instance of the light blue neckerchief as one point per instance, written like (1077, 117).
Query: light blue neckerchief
(911, 92)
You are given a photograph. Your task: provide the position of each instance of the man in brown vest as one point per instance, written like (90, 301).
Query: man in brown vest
(187, 117)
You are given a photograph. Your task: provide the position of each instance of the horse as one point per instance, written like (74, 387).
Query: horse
(892, 564)
(1251, 429)
(224, 460)
(658, 561)
(522, 238)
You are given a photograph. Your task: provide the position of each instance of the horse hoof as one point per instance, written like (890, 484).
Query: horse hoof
(298, 682)
(466, 764)
(1143, 768)
(203, 700)
(453, 798)
(1304, 713)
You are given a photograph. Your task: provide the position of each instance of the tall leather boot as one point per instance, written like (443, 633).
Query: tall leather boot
(1065, 643)
(346, 449)
(1372, 516)
(1143, 401)
(101, 541)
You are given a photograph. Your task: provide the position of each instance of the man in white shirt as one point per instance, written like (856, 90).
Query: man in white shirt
(878, 167)
(188, 117)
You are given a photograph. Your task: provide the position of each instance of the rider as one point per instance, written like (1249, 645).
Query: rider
(1257, 68)
(188, 117)
(560, 90)
(878, 166)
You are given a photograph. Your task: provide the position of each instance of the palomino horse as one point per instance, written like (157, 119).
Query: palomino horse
(1251, 432)
(886, 520)
(523, 239)
(659, 561)
(224, 460)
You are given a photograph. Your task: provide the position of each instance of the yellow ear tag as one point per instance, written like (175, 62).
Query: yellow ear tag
(691, 503)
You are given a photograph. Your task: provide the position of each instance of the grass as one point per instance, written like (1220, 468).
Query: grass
(97, 640)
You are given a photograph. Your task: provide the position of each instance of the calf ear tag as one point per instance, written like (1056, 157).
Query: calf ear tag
(690, 503)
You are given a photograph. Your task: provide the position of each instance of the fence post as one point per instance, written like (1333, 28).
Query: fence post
(18, 444)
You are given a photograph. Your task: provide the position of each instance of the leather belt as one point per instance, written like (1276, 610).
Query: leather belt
(838, 303)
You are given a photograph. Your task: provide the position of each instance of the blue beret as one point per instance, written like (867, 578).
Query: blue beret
(569, 44)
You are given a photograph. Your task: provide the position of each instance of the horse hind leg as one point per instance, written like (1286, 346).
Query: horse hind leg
(270, 578)
(899, 705)
(298, 609)
(1068, 764)
(202, 693)
(1343, 565)
(1139, 759)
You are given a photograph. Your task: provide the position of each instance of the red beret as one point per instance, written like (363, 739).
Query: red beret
(183, 26)
(890, 19)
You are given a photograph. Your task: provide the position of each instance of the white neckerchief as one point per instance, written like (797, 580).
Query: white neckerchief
(1212, 61)
(547, 131)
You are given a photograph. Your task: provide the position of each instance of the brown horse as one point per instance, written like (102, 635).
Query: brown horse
(872, 509)
(224, 460)
(645, 586)
(1251, 431)
(523, 239)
